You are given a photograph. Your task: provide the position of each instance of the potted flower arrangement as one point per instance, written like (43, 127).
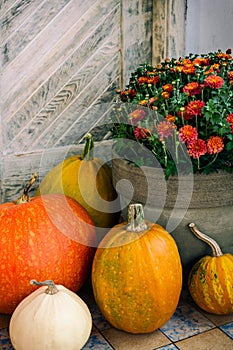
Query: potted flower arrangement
(182, 112)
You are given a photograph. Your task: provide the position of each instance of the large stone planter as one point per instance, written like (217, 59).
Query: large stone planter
(206, 200)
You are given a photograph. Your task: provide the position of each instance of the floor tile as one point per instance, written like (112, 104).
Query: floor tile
(168, 347)
(214, 339)
(228, 329)
(97, 342)
(5, 343)
(218, 320)
(186, 322)
(121, 340)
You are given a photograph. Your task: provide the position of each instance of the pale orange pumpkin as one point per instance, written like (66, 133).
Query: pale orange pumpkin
(137, 275)
(50, 236)
(210, 280)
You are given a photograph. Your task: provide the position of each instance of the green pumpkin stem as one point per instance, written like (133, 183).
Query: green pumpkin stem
(216, 250)
(136, 222)
(52, 289)
(25, 197)
(88, 148)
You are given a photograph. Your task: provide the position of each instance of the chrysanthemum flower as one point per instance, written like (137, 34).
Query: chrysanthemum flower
(165, 129)
(214, 81)
(197, 148)
(167, 87)
(229, 118)
(170, 118)
(188, 133)
(141, 133)
(215, 145)
(230, 75)
(201, 61)
(193, 88)
(165, 95)
(189, 69)
(137, 115)
(194, 107)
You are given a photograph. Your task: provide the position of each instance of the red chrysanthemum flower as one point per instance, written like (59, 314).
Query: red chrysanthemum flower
(125, 94)
(230, 75)
(141, 133)
(165, 129)
(193, 88)
(188, 133)
(194, 107)
(137, 115)
(197, 148)
(214, 81)
(215, 144)
(229, 118)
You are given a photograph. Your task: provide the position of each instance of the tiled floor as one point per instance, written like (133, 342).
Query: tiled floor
(188, 329)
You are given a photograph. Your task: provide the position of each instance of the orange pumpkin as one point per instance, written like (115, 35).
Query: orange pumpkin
(137, 275)
(88, 180)
(49, 236)
(210, 280)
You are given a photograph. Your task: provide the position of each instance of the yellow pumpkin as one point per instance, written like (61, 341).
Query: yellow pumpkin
(210, 280)
(88, 180)
(137, 275)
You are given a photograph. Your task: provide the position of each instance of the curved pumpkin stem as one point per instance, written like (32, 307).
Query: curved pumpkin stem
(88, 148)
(52, 289)
(216, 250)
(25, 197)
(136, 222)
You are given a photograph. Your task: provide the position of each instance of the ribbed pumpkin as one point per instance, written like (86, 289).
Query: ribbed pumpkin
(211, 279)
(88, 180)
(137, 275)
(50, 236)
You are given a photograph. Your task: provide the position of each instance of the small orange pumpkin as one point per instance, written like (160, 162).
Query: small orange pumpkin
(50, 236)
(210, 280)
(137, 274)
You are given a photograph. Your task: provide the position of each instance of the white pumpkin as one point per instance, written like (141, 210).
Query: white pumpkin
(51, 318)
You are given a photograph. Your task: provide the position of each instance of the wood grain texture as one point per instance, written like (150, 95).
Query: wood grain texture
(61, 61)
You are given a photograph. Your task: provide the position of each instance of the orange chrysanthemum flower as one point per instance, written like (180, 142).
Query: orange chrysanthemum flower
(201, 61)
(215, 145)
(170, 118)
(188, 133)
(165, 95)
(167, 87)
(214, 81)
(189, 69)
(197, 148)
(137, 115)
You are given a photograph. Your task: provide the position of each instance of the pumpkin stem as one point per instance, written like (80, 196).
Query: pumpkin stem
(136, 222)
(25, 197)
(88, 148)
(52, 289)
(216, 250)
